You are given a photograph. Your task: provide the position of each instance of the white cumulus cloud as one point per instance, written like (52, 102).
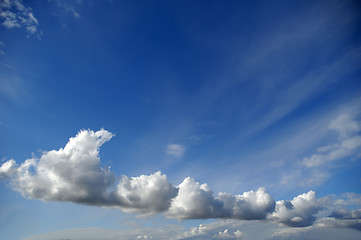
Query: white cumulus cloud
(147, 194)
(299, 212)
(72, 173)
(226, 234)
(196, 200)
(7, 170)
(75, 174)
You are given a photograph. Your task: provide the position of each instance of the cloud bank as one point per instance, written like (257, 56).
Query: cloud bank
(342, 218)
(222, 229)
(74, 174)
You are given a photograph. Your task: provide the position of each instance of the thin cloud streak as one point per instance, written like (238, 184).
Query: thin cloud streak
(176, 150)
(349, 141)
(223, 229)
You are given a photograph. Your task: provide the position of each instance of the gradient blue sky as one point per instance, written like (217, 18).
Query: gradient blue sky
(236, 94)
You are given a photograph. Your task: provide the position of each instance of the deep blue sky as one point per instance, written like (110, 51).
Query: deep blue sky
(235, 94)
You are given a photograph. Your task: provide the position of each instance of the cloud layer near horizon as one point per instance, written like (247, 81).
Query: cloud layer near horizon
(74, 174)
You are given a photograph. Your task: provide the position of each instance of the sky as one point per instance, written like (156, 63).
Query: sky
(180, 119)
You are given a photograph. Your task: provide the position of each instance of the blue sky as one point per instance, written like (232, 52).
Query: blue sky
(180, 119)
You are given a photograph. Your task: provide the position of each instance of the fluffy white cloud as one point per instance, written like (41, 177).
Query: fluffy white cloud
(217, 230)
(7, 170)
(74, 174)
(175, 150)
(201, 230)
(146, 194)
(143, 237)
(14, 14)
(196, 200)
(299, 212)
(226, 234)
(249, 206)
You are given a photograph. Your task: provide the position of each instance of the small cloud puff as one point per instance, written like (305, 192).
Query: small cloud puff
(143, 237)
(226, 234)
(7, 170)
(175, 150)
(216, 230)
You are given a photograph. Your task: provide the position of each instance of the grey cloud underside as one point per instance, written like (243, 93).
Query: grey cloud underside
(343, 218)
(74, 174)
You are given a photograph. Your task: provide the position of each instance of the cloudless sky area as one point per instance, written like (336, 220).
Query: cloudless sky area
(180, 119)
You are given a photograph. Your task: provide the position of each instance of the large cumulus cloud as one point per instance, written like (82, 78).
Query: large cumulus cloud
(299, 212)
(196, 200)
(145, 194)
(75, 174)
(72, 173)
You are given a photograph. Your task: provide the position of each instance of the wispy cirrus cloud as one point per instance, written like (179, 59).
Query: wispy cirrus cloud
(348, 127)
(323, 143)
(175, 150)
(2, 51)
(68, 8)
(13, 87)
(14, 14)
